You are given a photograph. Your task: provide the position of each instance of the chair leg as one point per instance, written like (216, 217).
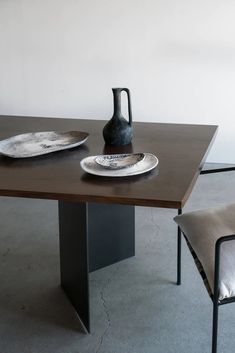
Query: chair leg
(215, 326)
(179, 252)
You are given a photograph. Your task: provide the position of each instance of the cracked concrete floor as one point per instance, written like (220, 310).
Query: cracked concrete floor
(135, 304)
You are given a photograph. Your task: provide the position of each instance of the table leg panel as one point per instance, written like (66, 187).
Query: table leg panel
(74, 259)
(111, 230)
(92, 236)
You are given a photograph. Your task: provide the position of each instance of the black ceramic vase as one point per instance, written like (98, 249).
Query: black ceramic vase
(118, 131)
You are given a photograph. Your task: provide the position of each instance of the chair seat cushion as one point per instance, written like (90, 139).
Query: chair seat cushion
(202, 229)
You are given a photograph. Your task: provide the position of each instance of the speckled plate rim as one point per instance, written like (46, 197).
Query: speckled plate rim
(89, 165)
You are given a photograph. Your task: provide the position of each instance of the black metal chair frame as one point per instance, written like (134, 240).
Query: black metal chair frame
(219, 242)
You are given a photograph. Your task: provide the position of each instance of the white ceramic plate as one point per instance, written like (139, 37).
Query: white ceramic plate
(119, 161)
(38, 143)
(89, 165)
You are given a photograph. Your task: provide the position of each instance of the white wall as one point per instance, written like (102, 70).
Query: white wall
(61, 58)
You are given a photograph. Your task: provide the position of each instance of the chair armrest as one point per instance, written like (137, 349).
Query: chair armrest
(217, 170)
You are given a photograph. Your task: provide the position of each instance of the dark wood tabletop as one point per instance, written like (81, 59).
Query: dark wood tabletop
(181, 150)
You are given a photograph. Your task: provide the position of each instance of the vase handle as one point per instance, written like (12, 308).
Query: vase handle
(129, 104)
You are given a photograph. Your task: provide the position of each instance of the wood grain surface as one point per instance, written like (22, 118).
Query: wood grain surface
(181, 150)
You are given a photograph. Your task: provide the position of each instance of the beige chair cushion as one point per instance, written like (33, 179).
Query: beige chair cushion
(202, 229)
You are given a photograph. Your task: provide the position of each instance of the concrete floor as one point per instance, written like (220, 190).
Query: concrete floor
(135, 305)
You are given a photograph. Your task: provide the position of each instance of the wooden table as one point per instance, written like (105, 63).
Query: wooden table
(96, 214)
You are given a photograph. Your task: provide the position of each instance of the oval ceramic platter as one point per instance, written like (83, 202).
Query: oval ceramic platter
(119, 161)
(39, 143)
(148, 163)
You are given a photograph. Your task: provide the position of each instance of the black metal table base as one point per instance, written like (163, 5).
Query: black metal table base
(92, 236)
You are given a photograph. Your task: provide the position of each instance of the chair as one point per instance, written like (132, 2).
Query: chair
(209, 235)
(204, 171)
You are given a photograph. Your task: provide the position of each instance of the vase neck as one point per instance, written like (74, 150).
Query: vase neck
(116, 102)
